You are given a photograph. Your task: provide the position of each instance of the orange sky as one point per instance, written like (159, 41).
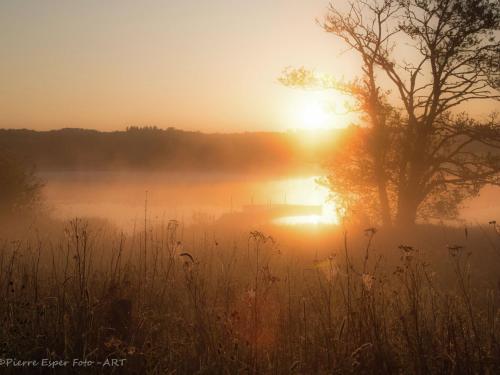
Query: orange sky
(200, 65)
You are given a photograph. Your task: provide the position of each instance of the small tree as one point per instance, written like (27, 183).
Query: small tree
(19, 188)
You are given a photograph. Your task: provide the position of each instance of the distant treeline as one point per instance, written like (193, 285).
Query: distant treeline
(166, 149)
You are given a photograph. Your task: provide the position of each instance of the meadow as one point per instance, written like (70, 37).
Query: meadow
(204, 299)
(244, 187)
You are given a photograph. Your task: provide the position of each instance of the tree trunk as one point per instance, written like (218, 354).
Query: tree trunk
(408, 202)
(385, 209)
(379, 145)
(413, 168)
(384, 206)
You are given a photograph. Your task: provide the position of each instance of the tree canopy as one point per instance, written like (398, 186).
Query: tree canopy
(421, 156)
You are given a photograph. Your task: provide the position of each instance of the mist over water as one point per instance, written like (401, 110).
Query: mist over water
(121, 197)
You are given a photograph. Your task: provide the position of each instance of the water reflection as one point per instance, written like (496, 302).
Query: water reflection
(328, 216)
(191, 198)
(120, 197)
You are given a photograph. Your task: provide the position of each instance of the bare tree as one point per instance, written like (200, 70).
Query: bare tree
(456, 59)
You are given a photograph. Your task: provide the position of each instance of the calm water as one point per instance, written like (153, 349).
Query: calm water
(121, 196)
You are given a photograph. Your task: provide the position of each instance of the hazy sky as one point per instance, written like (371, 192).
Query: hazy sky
(201, 65)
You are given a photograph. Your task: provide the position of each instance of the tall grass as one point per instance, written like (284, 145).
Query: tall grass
(170, 301)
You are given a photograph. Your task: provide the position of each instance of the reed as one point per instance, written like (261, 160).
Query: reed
(169, 301)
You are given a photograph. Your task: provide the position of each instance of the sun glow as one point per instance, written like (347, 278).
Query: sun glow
(307, 191)
(328, 217)
(320, 110)
(314, 115)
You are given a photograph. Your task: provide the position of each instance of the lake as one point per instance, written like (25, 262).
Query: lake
(125, 197)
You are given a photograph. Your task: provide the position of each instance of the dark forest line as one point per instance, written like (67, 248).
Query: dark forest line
(151, 148)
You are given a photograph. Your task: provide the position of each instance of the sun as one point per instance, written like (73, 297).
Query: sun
(314, 115)
(320, 111)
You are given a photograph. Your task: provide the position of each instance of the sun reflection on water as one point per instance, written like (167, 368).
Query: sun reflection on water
(327, 217)
(307, 191)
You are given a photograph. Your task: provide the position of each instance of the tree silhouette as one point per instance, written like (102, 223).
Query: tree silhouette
(20, 188)
(427, 160)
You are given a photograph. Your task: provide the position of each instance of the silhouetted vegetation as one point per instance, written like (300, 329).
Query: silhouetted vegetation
(20, 188)
(171, 300)
(169, 149)
(243, 294)
(415, 161)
